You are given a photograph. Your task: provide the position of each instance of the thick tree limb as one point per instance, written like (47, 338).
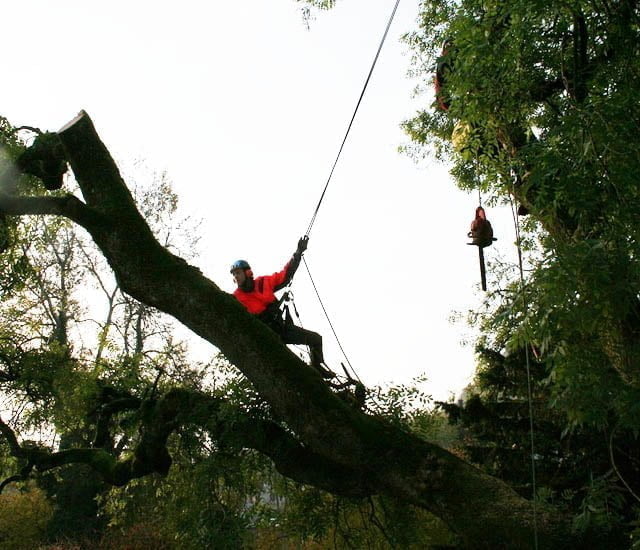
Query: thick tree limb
(106, 412)
(338, 439)
(181, 407)
(9, 480)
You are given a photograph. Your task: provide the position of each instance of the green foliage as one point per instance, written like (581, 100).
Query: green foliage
(319, 4)
(602, 500)
(225, 496)
(308, 518)
(409, 407)
(544, 112)
(573, 466)
(201, 504)
(400, 404)
(310, 6)
(24, 518)
(518, 79)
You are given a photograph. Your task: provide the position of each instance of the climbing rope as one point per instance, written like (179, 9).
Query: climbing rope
(326, 314)
(528, 366)
(324, 191)
(303, 352)
(364, 89)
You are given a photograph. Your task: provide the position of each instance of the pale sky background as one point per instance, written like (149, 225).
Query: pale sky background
(245, 108)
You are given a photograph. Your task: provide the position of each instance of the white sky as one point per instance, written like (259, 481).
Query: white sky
(246, 108)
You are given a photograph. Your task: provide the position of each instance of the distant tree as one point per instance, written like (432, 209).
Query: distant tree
(63, 346)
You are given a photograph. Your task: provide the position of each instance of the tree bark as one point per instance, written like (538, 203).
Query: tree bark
(338, 442)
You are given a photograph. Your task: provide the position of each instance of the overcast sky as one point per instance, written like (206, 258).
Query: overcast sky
(245, 108)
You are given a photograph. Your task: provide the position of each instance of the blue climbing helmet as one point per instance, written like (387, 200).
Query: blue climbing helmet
(240, 264)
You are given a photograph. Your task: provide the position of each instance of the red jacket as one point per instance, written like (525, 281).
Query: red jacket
(263, 291)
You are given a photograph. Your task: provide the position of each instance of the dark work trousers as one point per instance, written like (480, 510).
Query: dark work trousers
(292, 334)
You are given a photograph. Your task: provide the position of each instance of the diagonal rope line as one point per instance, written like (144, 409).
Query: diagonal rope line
(364, 89)
(324, 191)
(329, 320)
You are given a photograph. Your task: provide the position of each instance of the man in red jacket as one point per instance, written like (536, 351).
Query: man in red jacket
(257, 295)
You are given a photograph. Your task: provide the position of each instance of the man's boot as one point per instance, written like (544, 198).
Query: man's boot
(317, 362)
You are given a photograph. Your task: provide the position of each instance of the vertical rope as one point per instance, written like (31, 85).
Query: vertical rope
(529, 390)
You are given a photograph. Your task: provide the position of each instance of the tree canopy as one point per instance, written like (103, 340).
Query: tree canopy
(545, 93)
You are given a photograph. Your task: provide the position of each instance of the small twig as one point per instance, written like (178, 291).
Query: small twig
(615, 468)
(374, 519)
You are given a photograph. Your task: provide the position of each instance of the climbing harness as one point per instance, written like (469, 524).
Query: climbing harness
(277, 313)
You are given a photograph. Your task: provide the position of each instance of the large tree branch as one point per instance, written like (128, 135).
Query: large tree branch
(179, 407)
(329, 434)
(68, 206)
